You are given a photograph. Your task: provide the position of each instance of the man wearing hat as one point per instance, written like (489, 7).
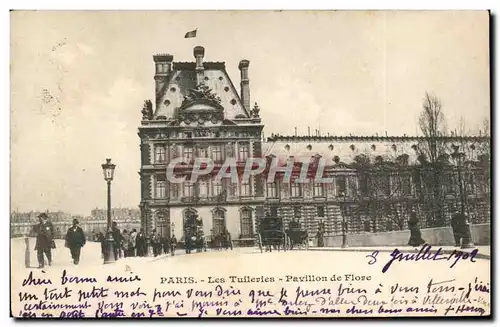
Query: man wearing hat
(44, 232)
(75, 240)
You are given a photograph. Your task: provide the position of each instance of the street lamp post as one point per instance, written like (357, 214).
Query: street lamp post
(146, 219)
(109, 169)
(342, 205)
(467, 233)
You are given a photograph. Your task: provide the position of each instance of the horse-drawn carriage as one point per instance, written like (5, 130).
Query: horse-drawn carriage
(297, 236)
(221, 241)
(273, 235)
(193, 235)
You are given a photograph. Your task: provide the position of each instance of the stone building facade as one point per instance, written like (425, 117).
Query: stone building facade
(375, 181)
(198, 113)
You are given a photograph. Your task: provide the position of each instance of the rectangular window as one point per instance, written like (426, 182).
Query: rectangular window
(319, 189)
(245, 188)
(340, 183)
(449, 182)
(406, 185)
(160, 188)
(188, 189)
(160, 153)
(272, 190)
(216, 153)
(295, 190)
(242, 151)
(216, 187)
(174, 191)
(274, 211)
(229, 186)
(188, 153)
(321, 211)
(297, 212)
(203, 188)
(202, 152)
(385, 184)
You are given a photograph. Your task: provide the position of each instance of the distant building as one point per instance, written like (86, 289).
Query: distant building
(126, 219)
(116, 213)
(22, 222)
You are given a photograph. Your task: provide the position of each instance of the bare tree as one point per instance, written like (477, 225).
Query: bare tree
(433, 126)
(431, 151)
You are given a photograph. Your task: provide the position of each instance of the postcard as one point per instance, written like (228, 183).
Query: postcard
(263, 164)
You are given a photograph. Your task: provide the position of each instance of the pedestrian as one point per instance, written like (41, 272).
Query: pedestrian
(173, 244)
(75, 240)
(140, 243)
(44, 232)
(117, 239)
(132, 243)
(125, 242)
(155, 241)
(166, 245)
(457, 222)
(415, 233)
(101, 239)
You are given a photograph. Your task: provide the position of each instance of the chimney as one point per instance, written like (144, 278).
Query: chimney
(199, 52)
(163, 67)
(245, 83)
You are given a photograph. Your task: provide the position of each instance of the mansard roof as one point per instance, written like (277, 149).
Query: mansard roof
(183, 78)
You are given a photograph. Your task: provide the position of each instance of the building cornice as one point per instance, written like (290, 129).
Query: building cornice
(285, 138)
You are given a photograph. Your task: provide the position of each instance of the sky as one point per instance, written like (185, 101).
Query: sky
(79, 80)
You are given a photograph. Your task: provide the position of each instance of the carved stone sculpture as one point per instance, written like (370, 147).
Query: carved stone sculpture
(147, 110)
(255, 111)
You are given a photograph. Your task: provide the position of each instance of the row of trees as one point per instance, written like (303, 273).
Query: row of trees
(452, 168)
(469, 162)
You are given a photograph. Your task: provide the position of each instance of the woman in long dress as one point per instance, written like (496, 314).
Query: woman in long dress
(415, 233)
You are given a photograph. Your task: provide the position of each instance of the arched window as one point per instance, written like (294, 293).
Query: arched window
(218, 221)
(246, 223)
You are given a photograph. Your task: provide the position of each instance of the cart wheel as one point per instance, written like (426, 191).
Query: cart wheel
(260, 244)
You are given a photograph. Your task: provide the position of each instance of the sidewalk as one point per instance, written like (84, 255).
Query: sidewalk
(484, 251)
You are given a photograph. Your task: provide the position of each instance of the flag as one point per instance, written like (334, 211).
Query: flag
(190, 34)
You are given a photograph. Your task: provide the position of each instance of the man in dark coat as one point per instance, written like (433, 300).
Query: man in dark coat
(458, 221)
(75, 240)
(44, 232)
(140, 241)
(117, 241)
(155, 242)
(166, 244)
